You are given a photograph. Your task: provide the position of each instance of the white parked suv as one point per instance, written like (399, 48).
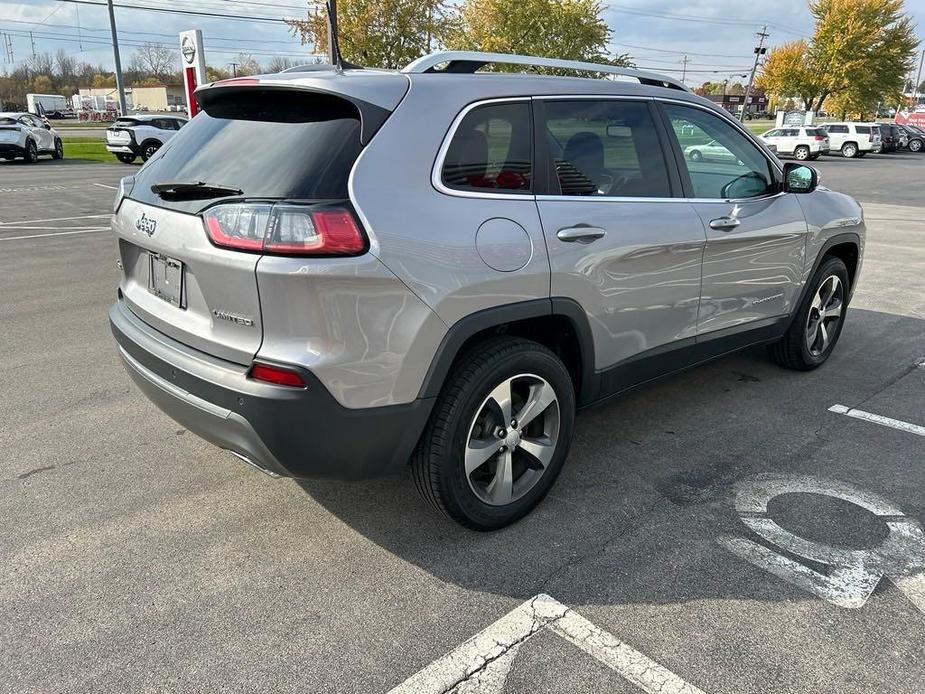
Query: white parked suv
(801, 142)
(853, 139)
(141, 135)
(25, 136)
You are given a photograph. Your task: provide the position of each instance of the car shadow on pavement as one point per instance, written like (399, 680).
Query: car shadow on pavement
(647, 491)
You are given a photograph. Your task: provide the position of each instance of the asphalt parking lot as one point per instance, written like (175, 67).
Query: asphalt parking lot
(721, 531)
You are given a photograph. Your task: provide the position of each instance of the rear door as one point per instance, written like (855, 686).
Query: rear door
(620, 242)
(756, 235)
(291, 145)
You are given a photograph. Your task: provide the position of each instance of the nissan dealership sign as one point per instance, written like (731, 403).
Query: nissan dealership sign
(194, 67)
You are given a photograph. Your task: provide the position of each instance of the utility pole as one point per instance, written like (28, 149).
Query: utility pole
(115, 52)
(684, 61)
(234, 69)
(32, 39)
(760, 50)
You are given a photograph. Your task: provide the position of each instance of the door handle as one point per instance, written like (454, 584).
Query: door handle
(580, 234)
(725, 223)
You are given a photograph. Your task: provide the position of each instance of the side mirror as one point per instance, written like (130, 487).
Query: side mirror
(799, 178)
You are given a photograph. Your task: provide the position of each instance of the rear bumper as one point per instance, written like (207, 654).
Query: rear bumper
(10, 150)
(291, 432)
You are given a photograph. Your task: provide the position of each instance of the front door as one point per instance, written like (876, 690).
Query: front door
(756, 235)
(620, 243)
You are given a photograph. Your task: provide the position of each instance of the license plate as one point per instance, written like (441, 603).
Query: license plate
(165, 278)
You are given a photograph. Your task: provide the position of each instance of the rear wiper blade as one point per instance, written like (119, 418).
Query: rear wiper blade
(192, 190)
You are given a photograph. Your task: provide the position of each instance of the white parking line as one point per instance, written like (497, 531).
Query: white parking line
(878, 419)
(95, 230)
(481, 665)
(54, 219)
(103, 185)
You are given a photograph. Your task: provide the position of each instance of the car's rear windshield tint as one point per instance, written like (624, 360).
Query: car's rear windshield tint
(812, 132)
(125, 123)
(282, 144)
(8, 121)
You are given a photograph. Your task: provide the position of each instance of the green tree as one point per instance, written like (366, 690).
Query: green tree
(788, 71)
(570, 29)
(379, 33)
(861, 51)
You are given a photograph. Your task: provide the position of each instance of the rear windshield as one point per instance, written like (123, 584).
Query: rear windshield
(813, 132)
(125, 123)
(280, 144)
(8, 121)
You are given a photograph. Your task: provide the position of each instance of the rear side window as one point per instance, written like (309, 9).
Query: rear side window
(837, 128)
(278, 145)
(813, 132)
(606, 147)
(491, 150)
(862, 129)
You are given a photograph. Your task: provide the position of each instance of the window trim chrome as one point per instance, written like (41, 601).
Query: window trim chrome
(436, 177)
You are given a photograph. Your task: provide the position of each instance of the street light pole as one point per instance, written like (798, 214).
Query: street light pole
(759, 51)
(115, 51)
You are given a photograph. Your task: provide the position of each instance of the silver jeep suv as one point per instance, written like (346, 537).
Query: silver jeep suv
(334, 273)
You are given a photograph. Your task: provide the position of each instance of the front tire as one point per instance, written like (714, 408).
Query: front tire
(499, 434)
(696, 156)
(58, 151)
(149, 148)
(915, 146)
(817, 325)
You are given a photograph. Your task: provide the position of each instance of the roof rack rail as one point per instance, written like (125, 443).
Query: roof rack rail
(468, 62)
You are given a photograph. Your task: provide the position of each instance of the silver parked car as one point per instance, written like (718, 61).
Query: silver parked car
(334, 273)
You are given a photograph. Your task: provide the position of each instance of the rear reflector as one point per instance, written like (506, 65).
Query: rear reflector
(276, 375)
(284, 229)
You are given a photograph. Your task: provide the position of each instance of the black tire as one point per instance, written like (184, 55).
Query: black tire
(695, 155)
(148, 148)
(58, 151)
(438, 466)
(861, 155)
(802, 153)
(849, 150)
(126, 158)
(792, 351)
(32, 153)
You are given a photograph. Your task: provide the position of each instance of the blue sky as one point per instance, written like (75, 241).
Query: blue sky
(716, 35)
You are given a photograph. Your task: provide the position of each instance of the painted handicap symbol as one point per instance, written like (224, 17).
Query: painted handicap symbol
(855, 573)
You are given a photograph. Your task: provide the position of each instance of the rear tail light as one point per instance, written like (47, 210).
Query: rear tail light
(284, 229)
(820, 138)
(277, 375)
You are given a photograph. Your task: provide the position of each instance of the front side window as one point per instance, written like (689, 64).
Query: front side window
(605, 147)
(722, 162)
(862, 129)
(491, 150)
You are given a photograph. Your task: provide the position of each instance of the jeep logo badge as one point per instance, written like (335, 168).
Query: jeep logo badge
(188, 49)
(146, 225)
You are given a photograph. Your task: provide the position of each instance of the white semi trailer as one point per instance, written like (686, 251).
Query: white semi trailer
(55, 105)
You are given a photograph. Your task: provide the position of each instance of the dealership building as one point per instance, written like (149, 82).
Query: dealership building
(148, 98)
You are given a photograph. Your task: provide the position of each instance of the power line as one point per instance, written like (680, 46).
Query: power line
(149, 33)
(174, 10)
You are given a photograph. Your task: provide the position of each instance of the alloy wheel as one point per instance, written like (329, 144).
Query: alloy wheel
(802, 153)
(824, 315)
(512, 439)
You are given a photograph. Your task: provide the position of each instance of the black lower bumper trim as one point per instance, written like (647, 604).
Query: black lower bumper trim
(302, 433)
